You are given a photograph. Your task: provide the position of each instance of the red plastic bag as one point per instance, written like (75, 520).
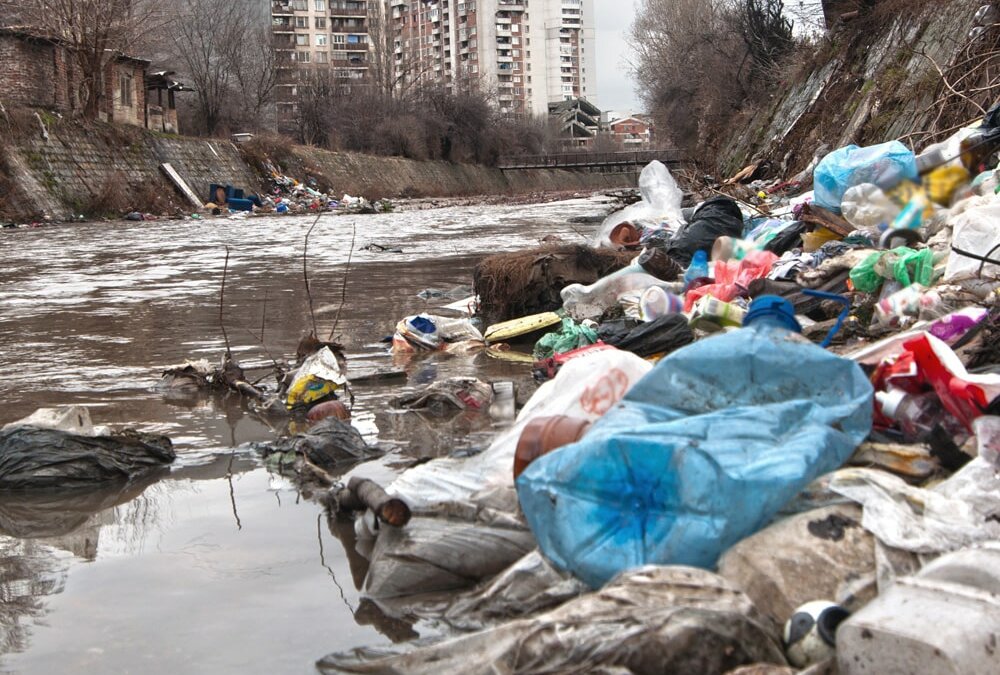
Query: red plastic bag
(733, 277)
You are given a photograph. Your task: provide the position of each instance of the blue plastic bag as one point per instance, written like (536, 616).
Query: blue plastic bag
(700, 454)
(886, 165)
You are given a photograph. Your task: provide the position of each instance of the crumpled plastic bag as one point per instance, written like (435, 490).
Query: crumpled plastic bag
(905, 265)
(654, 619)
(570, 336)
(733, 276)
(698, 455)
(660, 207)
(975, 232)
(317, 378)
(960, 512)
(884, 165)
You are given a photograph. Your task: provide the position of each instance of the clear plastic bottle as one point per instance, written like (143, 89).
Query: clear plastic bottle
(916, 414)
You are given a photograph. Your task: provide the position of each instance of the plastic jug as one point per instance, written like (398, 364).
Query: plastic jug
(698, 269)
(942, 621)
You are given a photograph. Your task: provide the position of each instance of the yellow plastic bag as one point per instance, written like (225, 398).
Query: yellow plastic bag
(811, 241)
(942, 182)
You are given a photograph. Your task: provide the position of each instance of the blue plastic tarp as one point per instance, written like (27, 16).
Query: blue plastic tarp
(701, 453)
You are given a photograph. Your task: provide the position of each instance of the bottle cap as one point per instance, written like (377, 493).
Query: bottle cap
(773, 309)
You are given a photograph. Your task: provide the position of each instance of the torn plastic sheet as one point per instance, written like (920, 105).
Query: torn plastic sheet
(957, 513)
(530, 585)
(649, 620)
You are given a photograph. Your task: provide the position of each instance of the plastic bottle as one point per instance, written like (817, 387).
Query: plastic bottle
(916, 414)
(588, 302)
(656, 302)
(712, 314)
(698, 269)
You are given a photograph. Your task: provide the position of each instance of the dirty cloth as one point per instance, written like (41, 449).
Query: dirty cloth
(717, 217)
(700, 454)
(35, 458)
(650, 620)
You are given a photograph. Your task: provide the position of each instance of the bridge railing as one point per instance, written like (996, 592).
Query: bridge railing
(584, 159)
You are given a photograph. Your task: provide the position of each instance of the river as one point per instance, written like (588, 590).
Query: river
(219, 565)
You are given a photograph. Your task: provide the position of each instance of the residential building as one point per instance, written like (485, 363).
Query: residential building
(41, 72)
(631, 132)
(528, 52)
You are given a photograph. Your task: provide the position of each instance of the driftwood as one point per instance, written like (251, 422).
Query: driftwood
(362, 493)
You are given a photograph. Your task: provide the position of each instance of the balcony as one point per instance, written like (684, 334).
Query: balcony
(354, 27)
(348, 12)
(281, 9)
(348, 63)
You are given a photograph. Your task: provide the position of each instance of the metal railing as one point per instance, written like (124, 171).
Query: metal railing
(587, 159)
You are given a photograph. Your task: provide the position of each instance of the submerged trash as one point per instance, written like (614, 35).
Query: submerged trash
(39, 458)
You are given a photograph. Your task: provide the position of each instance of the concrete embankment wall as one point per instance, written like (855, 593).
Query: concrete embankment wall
(77, 169)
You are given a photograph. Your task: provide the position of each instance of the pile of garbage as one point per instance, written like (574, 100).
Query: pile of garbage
(290, 195)
(771, 435)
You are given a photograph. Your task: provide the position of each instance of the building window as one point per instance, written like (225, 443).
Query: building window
(303, 57)
(302, 40)
(320, 22)
(321, 40)
(125, 89)
(299, 5)
(320, 5)
(322, 57)
(302, 21)
(339, 38)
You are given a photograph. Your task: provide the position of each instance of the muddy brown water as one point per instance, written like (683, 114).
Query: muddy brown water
(217, 564)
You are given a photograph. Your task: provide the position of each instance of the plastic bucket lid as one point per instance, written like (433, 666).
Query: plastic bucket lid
(773, 309)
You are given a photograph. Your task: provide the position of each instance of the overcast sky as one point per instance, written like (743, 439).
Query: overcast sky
(615, 89)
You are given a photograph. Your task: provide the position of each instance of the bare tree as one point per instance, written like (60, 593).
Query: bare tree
(227, 53)
(94, 31)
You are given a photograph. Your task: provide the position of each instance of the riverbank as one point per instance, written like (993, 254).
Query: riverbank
(61, 170)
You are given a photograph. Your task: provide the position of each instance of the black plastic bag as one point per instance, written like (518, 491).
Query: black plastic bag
(661, 336)
(717, 217)
(33, 458)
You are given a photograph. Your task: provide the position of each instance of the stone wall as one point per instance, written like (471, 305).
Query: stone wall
(56, 177)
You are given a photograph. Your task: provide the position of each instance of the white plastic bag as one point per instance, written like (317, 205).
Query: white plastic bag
(976, 232)
(660, 206)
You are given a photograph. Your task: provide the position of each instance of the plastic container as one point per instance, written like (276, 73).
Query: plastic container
(712, 314)
(544, 434)
(656, 302)
(698, 269)
(589, 302)
(942, 621)
(774, 310)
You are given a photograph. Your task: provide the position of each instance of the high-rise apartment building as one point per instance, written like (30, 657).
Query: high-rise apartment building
(529, 52)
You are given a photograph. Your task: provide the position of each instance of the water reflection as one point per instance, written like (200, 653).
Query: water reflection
(221, 566)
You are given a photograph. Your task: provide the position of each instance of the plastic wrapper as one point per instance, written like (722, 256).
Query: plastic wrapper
(572, 335)
(655, 619)
(700, 454)
(905, 265)
(884, 165)
(956, 513)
